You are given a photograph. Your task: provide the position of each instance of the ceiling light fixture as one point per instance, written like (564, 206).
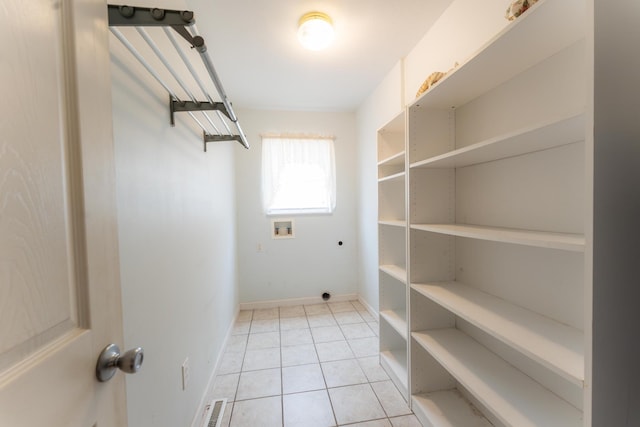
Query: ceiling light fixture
(315, 30)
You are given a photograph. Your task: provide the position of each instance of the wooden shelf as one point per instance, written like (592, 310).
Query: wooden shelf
(563, 24)
(446, 409)
(395, 271)
(394, 363)
(395, 176)
(562, 241)
(552, 344)
(513, 398)
(397, 320)
(393, 223)
(393, 160)
(540, 137)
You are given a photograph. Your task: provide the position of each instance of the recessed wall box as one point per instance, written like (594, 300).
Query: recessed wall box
(282, 229)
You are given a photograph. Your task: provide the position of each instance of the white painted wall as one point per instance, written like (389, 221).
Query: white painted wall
(464, 27)
(380, 107)
(312, 262)
(176, 216)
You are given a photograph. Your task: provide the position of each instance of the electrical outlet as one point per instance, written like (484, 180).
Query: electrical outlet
(185, 373)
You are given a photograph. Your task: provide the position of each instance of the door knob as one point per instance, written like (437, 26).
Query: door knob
(110, 360)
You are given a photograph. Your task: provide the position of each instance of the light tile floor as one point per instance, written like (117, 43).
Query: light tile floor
(308, 366)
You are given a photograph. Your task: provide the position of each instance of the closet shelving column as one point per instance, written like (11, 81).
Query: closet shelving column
(392, 231)
(496, 244)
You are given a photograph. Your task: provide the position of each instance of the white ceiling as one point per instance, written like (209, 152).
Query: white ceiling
(254, 48)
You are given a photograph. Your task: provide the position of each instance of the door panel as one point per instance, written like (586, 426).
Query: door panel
(59, 273)
(36, 252)
(23, 401)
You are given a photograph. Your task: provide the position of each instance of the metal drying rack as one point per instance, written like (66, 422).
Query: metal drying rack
(178, 21)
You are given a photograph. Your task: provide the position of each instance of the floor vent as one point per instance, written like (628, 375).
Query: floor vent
(214, 412)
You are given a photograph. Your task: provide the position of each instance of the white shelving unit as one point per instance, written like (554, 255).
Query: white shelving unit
(446, 408)
(394, 363)
(538, 137)
(492, 290)
(563, 241)
(523, 44)
(557, 346)
(397, 319)
(511, 396)
(396, 159)
(395, 177)
(393, 223)
(398, 273)
(392, 208)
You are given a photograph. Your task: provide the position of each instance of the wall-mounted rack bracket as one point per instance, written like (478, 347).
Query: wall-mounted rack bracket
(129, 16)
(207, 137)
(178, 106)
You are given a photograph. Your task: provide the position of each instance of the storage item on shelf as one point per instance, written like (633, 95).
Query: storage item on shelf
(517, 8)
(433, 78)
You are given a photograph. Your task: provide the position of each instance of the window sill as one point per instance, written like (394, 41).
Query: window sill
(294, 212)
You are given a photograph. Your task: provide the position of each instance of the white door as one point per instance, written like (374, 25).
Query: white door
(59, 273)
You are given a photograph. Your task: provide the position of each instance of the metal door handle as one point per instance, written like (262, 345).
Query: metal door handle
(110, 360)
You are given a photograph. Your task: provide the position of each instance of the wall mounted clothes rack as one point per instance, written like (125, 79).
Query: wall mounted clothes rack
(223, 118)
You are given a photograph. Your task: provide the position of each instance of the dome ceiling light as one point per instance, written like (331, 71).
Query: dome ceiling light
(315, 30)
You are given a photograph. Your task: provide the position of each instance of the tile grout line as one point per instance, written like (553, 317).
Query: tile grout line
(324, 379)
(244, 353)
(348, 345)
(281, 371)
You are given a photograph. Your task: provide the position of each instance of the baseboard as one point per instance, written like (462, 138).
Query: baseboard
(295, 301)
(370, 309)
(206, 397)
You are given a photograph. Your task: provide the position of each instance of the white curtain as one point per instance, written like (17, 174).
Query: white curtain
(298, 175)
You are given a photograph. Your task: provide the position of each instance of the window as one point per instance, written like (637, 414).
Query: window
(298, 175)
